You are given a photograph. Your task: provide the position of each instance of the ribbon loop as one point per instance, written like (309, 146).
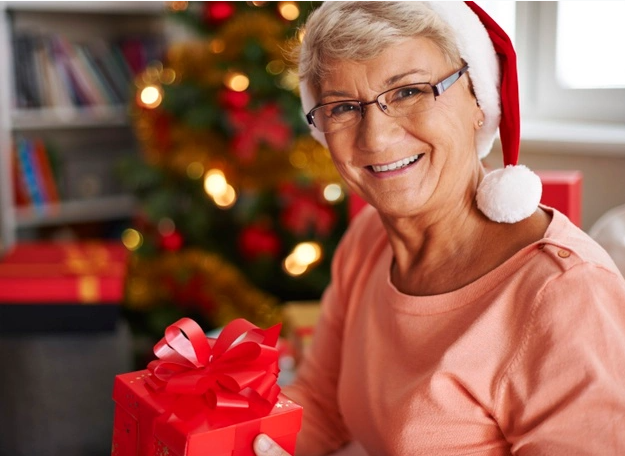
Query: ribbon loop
(238, 370)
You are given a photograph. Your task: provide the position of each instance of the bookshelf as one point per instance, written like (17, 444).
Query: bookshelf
(67, 77)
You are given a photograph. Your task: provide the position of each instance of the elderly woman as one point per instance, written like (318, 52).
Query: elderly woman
(462, 317)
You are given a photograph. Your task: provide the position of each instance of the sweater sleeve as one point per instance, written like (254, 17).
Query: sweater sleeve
(316, 385)
(564, 391)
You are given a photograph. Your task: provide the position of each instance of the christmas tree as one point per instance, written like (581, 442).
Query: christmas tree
(241, 209)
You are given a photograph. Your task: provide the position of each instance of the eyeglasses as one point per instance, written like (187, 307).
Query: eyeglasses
(397, 102)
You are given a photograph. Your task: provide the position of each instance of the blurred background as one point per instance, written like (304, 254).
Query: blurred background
(155, 164)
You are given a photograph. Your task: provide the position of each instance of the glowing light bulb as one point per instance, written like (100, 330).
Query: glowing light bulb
(178, 6)
(288, 10)
(168, 76)
(226, 199)
(132, 239)
(333, 193)
(289, 80)
(150, 96)
(217, 46)
(307, 253)
(275, 67)
(237, 82)
(195, 170)
(292, 267)
(215, 184)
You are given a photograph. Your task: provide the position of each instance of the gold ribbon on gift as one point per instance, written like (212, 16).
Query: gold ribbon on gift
(87, 261)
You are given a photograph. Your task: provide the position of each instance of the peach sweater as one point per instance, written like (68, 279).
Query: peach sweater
(527, 360)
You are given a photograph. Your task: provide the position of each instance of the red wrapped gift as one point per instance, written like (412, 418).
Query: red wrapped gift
(562, 190)
(204, 395)
(42, 285)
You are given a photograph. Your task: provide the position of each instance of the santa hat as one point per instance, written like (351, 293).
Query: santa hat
(512, 193)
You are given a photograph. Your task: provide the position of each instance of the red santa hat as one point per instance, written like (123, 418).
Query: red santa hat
(512, 193)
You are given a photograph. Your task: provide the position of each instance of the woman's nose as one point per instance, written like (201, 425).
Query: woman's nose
(376, 130)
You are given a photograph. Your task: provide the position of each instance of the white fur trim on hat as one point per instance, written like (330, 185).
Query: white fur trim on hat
(308, 102)
(477, 50)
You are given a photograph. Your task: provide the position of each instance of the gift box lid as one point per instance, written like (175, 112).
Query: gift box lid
(64, 272)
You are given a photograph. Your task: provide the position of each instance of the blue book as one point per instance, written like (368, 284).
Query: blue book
(28, 167)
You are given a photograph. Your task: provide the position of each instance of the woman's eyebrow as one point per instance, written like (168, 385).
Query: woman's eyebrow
(388, 83)
(336, 93)
(398, 77)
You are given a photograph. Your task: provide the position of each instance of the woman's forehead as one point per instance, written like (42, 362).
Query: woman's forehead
(413, 60)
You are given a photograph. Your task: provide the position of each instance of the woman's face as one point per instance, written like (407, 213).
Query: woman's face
(444, 171)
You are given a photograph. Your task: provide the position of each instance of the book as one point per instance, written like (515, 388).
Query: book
(26, 86)
(28, 173)
(46, 178)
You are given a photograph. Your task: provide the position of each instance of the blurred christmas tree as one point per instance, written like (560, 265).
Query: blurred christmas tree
(241, 209)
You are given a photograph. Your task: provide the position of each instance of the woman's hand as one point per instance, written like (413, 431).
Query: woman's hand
(264, 446)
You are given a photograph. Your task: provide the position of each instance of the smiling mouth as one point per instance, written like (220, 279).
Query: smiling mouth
(399, 164)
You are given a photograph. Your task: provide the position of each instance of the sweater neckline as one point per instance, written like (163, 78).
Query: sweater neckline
(445, 302)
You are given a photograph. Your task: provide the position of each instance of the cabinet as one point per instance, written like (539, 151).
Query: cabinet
(88, 139)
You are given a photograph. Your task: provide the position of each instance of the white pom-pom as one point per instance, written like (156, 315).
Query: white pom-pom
(509, 195)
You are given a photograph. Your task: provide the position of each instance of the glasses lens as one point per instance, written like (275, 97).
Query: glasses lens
(336, 116)
(407, 100)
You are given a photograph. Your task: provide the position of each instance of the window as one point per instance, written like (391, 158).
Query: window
(585, 43)
(570, 62)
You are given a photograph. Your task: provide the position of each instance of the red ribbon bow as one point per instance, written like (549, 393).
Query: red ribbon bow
(237, 370)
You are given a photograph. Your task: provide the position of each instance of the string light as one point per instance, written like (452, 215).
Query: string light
(226, 199)
(303, 256)
(333, 193)
(217, 46)
(177, 6)
(195, 170)
(168, 76)
(217, 187)
(215, 183)
(132, 239)
(289, 80)
(236, 81)
(275, 67)
(288, 10)
(150, 96)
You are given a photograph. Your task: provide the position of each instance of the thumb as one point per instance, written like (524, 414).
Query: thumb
(264, 446)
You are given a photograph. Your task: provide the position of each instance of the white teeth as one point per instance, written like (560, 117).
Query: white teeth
(397, 165)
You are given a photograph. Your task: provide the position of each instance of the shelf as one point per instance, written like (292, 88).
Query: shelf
(59, 118)
(108, 7)
(92, 210)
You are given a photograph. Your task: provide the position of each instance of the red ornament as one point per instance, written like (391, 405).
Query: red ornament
(215, 13)
(253, 128)
(305, 213)
(256, 241)
(190, 293)
(172, 241)
(229, 99)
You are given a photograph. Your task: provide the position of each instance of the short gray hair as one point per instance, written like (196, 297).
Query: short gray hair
(360, 31)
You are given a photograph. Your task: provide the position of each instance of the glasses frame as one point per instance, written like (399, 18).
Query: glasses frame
(437, 89)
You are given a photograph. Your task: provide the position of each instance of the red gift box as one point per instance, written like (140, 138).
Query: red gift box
(205, 396)
(562, 190)
(42, 285)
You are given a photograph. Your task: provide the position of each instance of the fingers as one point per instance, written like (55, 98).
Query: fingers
(264, 446)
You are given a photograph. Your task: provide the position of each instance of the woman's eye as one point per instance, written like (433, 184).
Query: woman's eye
(343, 108)
(406, 92)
